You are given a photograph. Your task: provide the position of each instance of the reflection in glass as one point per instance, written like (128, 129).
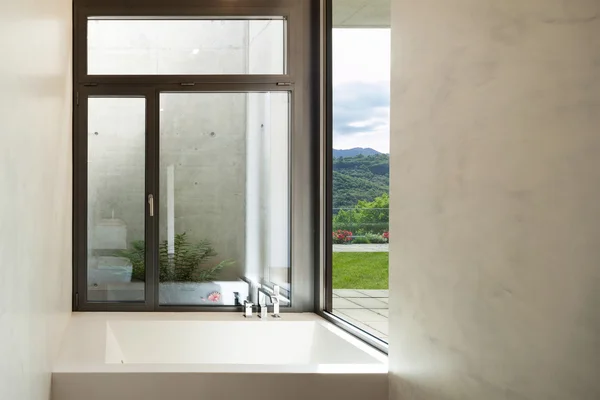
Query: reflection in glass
(224, 195)
(116, 208)
(180, 47)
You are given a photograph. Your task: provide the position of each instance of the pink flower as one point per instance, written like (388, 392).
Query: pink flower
(214, 296)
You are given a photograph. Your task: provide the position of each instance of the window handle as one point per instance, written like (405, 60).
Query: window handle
(151, 204)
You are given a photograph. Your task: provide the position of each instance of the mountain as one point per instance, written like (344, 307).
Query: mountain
(359, 178)
(354, 152)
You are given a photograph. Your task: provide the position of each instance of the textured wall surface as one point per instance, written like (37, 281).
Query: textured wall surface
(35, 192)
(495, 187)
(204, 137)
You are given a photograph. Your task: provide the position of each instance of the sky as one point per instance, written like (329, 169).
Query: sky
(361, 88)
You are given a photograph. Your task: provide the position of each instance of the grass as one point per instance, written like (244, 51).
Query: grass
(360, 270)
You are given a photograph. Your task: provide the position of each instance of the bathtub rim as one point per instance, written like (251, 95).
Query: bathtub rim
(83, 346)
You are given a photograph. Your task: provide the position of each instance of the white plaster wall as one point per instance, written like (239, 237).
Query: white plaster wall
(495, 191)
(35, 192)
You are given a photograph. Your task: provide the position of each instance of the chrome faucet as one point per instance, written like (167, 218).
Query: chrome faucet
(263, 309)
(248, 309)
(273, 297)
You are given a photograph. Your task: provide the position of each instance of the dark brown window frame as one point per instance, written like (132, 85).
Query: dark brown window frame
(300, 80)
(324, 277)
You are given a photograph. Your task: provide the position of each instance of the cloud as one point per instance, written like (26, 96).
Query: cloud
(360, 107)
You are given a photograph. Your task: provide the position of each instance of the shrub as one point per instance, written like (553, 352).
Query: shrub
(342, 237)
(365, 216)
(375, 238)
(186, 264)
(360, 228)
(386, 236)
(360, 240)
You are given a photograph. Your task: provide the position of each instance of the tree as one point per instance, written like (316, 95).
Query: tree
(365, 217)
(359, 178)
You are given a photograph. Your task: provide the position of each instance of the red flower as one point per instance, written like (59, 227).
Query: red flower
(342, 236)
(386, 235)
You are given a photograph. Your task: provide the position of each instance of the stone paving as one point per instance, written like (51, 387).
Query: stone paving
(365, 309)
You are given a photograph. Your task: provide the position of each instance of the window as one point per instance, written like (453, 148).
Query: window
(191, 143)
(186, 46)
(224, 175)
(359, 170)
(115, 208)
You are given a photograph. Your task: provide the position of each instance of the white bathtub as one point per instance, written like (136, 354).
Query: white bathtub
(214, 356)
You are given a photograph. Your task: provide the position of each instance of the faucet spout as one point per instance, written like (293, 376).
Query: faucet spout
(262, 293)
(273, 297)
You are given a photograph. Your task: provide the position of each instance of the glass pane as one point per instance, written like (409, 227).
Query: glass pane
(361, 87)
(116, 198)
(224, 202)
(186, 47)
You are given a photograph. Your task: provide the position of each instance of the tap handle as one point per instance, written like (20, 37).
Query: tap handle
(263, 311)
(248, 309)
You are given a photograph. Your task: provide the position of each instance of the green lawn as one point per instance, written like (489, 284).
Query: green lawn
(360, 270)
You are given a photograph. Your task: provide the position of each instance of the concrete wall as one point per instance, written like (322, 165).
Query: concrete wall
(267, 172)
(267, 187)
(361, 13)
(495, 188)
(167, 47)
(35, 192)
(203, 137)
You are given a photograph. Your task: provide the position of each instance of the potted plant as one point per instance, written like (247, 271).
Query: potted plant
(185, 275)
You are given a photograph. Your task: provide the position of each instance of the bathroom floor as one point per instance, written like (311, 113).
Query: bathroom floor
(366, 309)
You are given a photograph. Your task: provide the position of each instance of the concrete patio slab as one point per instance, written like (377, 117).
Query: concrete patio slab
(379, 326)
(364, 315)
(366, 309)
(341, 304)
(369, 302)
(375, 293)
(361, 325)
(348, 293)
(384, 312)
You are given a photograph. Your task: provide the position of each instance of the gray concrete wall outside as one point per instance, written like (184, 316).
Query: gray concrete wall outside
(203, 135)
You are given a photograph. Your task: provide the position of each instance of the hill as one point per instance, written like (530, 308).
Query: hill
(355, 152)
(359, 178)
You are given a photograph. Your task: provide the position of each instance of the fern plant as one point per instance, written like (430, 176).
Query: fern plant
(186, 264)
